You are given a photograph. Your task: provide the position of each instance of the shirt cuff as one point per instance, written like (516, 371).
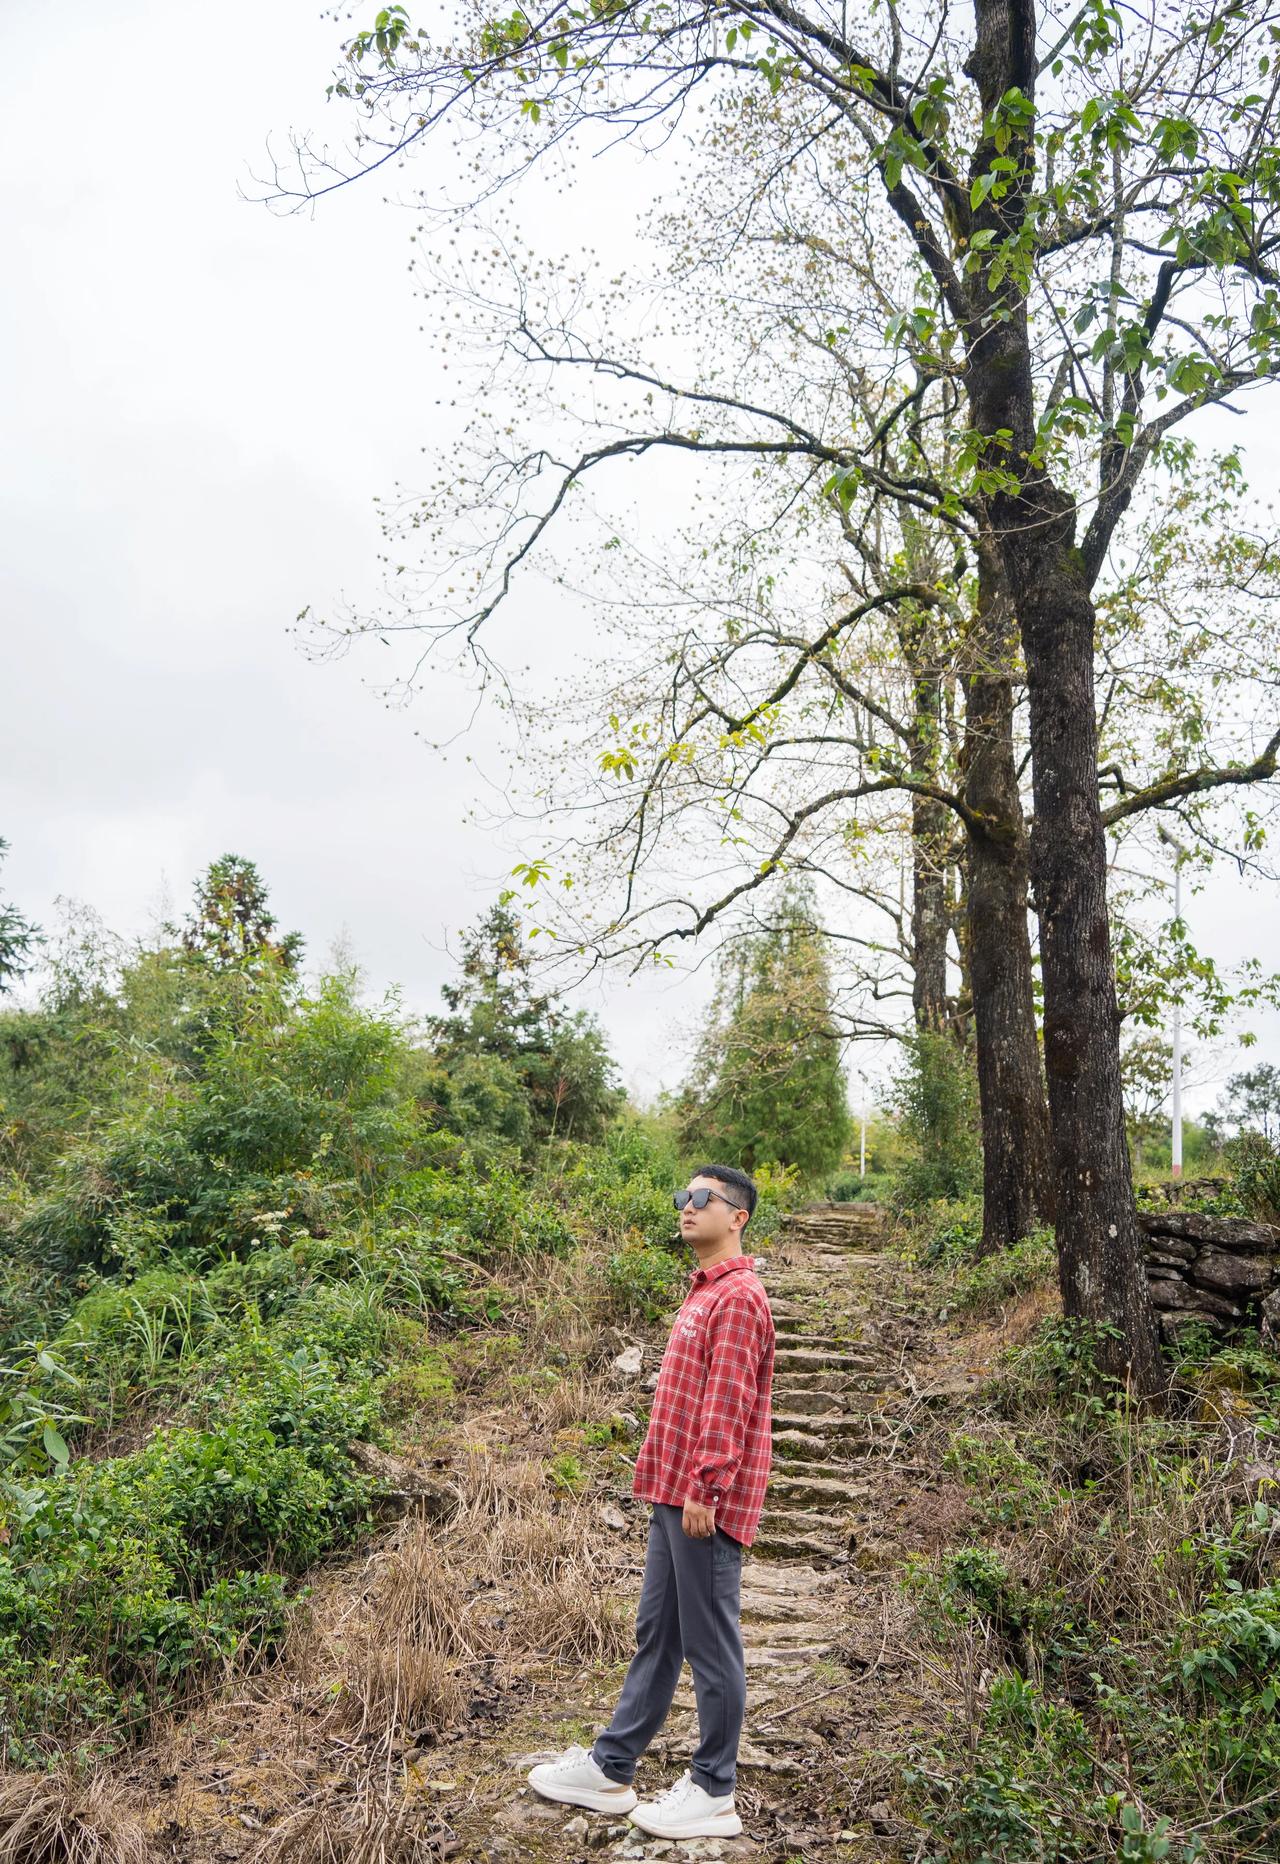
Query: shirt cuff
(703, 1496)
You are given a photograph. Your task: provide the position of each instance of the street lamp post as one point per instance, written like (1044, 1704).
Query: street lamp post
(1180, 853)
(1177, 1036)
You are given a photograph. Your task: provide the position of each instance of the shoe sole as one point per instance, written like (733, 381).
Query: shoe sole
(584, 1797)
(726, 1826)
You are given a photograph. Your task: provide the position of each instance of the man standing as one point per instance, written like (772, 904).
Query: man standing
(704, 1466)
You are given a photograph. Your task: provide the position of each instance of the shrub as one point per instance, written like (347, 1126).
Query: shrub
(1007, 1273)
(937, 1103)
(644, 1283)
(1254, 1163)
(1118, 1607)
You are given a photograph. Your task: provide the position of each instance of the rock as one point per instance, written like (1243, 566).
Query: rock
(650, 1382)
(576, 1828)
(1237, 1233)
(1172, 1326)
(629, 1361)
(1169, 1249)
(1271, 1318)
(1232, 1273)
(401, 1483)
(953, 1385)
(535, 1812)
(612, 1516)
(1177, 1294)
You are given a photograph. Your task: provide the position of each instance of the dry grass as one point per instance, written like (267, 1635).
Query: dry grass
(561, 1402)
(419, 1597)
(400, 1665)
(389, 1688)
(567, 1311)
(577, 1618)
(785, 1250)
(519, 1570)
(55, 1818)
(374, 1829)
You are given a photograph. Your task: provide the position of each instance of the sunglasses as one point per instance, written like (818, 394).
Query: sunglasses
(699, 1199)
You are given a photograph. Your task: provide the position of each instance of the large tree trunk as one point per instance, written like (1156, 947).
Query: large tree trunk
(1100, 1258)
(1017, 1173)
(931, 835)
(931, 828)
(1101, 1266)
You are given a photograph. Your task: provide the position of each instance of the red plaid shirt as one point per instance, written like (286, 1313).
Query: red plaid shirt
(710, 1430)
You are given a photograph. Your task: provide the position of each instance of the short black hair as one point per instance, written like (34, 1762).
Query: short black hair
(730, 1175)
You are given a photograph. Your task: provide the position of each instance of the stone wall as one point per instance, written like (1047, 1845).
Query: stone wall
(1222, 1273)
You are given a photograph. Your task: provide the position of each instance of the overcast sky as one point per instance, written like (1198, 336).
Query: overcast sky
(198, 414)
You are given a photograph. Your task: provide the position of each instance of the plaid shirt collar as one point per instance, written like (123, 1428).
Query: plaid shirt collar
(700, 1276)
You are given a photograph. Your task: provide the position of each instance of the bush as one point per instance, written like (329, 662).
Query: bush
(140, 1570)
(645, 1283)
(1007, 1273)
(1118, 1605)
(1254, 1163)
(936, 1094)
(241, 1246)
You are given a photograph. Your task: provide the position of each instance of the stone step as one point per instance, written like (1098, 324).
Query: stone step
(850, 1468)
(781, 1633)
(841, 1383)
(807, 1244)
(818, 1359)
(815, 1439)
(786, 1341)
(763, 1582)
(858, 1421)
(778, 1656)
(808, 1548)
(768, 1614)
(810, 1489)
(834, 1216)
(801, 1521)
(817, 1401)
(751, 1759)
(789, 1285)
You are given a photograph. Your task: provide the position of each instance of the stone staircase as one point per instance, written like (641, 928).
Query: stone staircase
(830, 1381)
(835, 1385)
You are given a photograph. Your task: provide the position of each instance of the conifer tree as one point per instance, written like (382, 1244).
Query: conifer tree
(767, 1086)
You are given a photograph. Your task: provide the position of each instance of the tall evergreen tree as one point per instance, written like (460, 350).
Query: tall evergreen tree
(18, 939)
(504, 1039)
(767, 1086)
(232, 926)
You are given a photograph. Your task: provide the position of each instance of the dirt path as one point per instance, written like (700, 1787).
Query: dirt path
(834, 1683)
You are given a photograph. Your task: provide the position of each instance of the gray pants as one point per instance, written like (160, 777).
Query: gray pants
(689, 1606)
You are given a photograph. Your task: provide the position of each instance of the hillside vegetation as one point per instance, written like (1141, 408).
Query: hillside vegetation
(247, 1227)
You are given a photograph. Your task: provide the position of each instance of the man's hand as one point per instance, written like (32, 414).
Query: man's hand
(699, 1523)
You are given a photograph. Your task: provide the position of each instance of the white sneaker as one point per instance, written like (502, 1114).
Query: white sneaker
(573, 1779)
(687, 1810)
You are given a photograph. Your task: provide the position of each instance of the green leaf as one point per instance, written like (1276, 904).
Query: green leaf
(56, 1446)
